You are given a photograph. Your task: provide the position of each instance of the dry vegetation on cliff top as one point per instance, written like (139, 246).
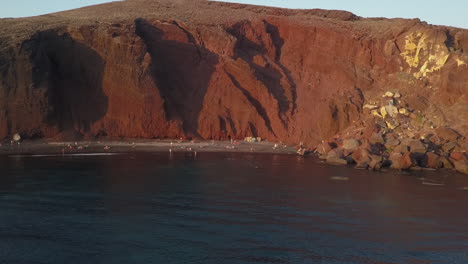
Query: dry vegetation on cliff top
(188, 11)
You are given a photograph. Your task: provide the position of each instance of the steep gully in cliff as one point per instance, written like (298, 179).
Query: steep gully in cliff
(74, 73)
(181, 71)
(70, 73)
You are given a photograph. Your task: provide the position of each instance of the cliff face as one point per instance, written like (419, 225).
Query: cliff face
(156, 69)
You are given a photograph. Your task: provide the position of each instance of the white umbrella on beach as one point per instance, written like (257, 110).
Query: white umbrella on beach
(16, 138)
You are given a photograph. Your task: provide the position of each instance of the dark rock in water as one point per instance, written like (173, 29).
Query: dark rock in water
(447, 134)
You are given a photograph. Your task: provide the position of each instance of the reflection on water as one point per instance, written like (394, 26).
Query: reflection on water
(225, 208)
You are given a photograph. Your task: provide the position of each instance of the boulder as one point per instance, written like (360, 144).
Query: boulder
(389, 94)
(416, 146)
(302, 151)
(377, 148)
(351, 144)
(458, 148)
(419, 158)
(376, 113)
(349, 159)
(463, 144)
(449, 146)
(402, 148)
(370, 106)
(403, 111)
(461, 166)
(392, 142)
(401, 161)
(432, 147)
(447, 133)
(377, 138)
(434, 139)
(392, 124)
(446, 163)
(361, 157)
(395, 158)
(383, 112)
(433, 161)
(336, 157)
(324, 147)
(417, 102)
(407, 161)
(376, 162)
(335, 153)
(457, 155)
(391, 110)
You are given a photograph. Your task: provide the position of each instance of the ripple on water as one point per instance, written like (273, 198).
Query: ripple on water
(225, 208)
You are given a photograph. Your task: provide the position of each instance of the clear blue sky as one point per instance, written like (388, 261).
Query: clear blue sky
(439, 12)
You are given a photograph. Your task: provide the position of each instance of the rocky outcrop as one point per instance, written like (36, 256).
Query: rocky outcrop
(160, 68)
(394, 134)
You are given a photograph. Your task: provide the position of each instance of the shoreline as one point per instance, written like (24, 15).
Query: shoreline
(36, 148)
(45, 148)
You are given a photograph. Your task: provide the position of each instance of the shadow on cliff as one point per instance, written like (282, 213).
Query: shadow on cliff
(181, 70)
(269, 75)
(73, 73)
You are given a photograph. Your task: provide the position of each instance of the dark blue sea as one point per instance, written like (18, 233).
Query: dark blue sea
(226, 208)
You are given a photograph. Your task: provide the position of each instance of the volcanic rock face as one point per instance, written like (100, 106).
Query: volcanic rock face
(157, 69)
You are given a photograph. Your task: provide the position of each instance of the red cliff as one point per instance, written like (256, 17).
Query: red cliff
(160, 68)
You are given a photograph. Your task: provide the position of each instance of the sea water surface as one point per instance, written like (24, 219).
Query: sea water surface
(226, 208)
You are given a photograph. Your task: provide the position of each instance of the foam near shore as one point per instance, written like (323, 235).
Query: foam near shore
(81, 148)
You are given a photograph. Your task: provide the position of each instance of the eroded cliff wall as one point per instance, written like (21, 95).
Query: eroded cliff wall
(214, 70)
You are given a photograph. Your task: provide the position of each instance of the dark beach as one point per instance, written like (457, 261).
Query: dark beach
(41, 147)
